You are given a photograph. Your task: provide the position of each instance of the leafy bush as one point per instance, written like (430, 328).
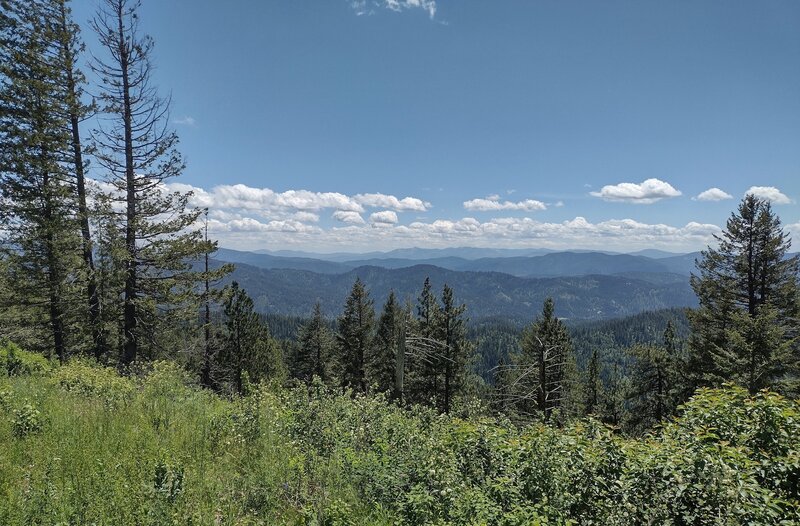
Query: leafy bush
(26, 420)
(171, 453)
(92, 380)
(16, 362)
(433, 469)
(6, 396)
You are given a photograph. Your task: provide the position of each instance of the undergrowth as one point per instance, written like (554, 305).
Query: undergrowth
(84, 445)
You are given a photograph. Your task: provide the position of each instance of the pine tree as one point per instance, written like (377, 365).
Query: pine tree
(248, 347)
(382, 358)
(70, 48)
(354, 337)
(593, 386)
(656, 381)
(316, 346)
(36, 216)
(541, 368)
(612, 403)
(455, 349)
(745, 329)
(137, 150)
(424, 356)
(210, 296)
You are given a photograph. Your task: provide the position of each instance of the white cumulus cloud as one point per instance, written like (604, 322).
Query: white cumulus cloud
(386, 217)
(646, 192)
(392, 202)
(305, 217)
(712, 194)
(303, 205)
(493, 203)
(346, 216)
(770, 193)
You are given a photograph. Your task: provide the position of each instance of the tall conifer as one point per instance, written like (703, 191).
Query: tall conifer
(746, 327)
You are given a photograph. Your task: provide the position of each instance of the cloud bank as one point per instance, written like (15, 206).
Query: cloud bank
(251, 218)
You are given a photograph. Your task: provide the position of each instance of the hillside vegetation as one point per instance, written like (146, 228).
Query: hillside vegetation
(83, 445)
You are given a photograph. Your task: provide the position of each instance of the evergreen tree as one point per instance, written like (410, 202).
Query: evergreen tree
(745, 329)
(593, 386)
(653, 383)
(424, 357)
(455, 349)
(503, 387)
(315, 352)
(541, 367)
(70, 47)
(354, 337)
(137, 150)
(612, 403)
(652, 386)
(249, 350)
(36, 201)
(210, 296)
(242, 331)
(382, 359)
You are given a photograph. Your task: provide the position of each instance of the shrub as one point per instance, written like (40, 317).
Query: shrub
(16, 362)
(26, 420)
(6, 396)
(95, 381)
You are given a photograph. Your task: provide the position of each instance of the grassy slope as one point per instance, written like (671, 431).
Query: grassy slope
(160, 454)
(109, 450)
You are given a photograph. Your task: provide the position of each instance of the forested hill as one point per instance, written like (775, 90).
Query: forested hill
(486, 294)
(495, 338)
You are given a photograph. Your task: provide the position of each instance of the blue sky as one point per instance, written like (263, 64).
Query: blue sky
(501, 122)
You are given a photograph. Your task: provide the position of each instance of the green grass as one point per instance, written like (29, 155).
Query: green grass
(156, 452)
(82, 445)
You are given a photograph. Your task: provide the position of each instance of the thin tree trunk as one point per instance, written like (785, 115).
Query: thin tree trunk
(205, 377)
(83, 213)
(130, 345)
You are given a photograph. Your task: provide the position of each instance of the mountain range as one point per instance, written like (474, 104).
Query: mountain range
(550, 264)
(510, 283)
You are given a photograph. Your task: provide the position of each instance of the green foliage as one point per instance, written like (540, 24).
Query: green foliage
(749, 291)
(26, 420)
(543, 371)
(354, 337)
(434, 469)
(248, 349)
(96, 382)
(315, 349)
(16, 362)
(175, 454)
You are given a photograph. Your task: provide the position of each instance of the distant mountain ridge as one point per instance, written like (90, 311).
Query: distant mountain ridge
(551, 264)
(486, 294)
(414, 253)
